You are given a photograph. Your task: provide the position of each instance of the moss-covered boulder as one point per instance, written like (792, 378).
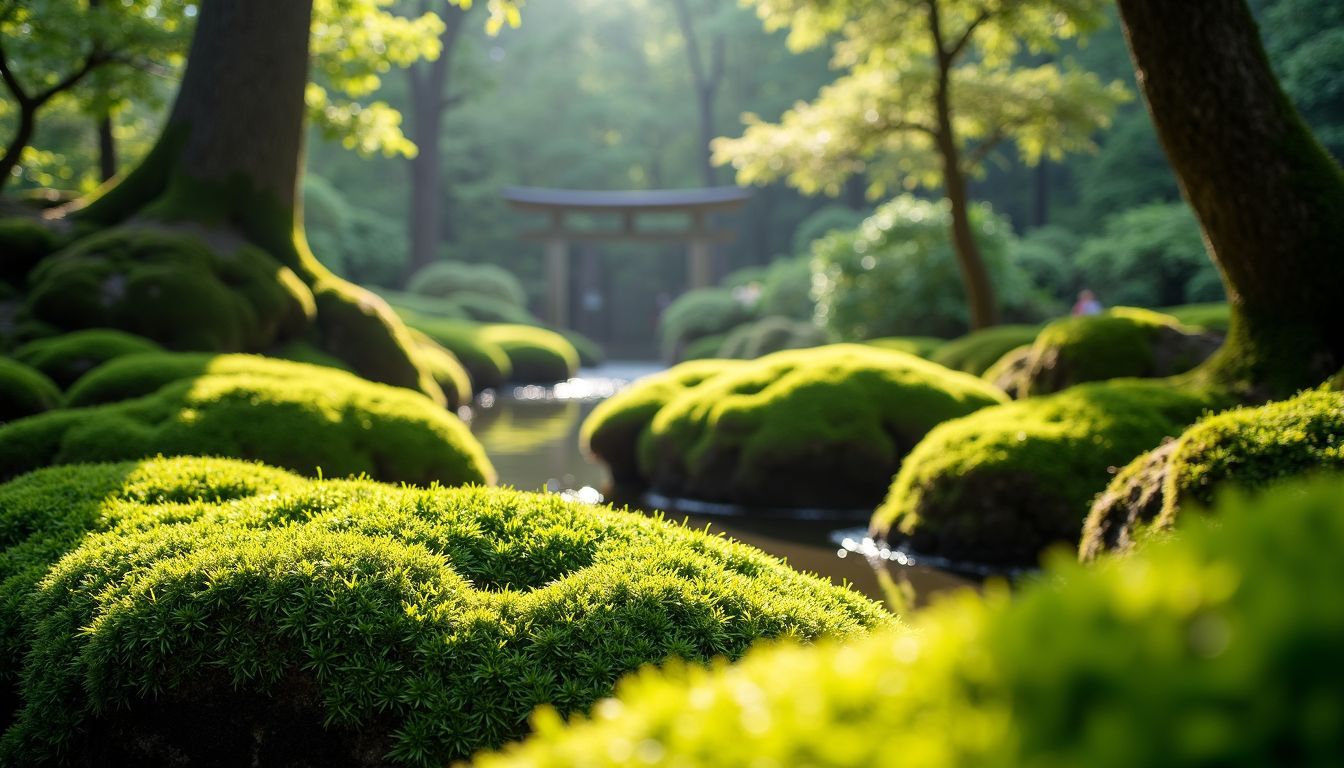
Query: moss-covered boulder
(486, 362)
(1245, 447)
(612, 432)
(23, 243)
(590, 352)
(310, 419)
(67, 357)
(767, 335)
(210, 612)
(430, 306)
(1215, 316)
(975, 352)
(455, 279)
(698, 314)
(1121, 342)
(1003, 484)
(446, 369)
(536, 355)
(1009, 373)
(24, 391)
(487, 309)
(824, 427)
(919, 346)
(1217, 648)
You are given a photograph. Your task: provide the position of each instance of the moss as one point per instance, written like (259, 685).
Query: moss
(447, 371)
(25, 391)
(307, 352)
(1215, 316)
(536, 355)
(456, 280)
(1003, 484)
(697, 314)
(975, 352)
(770, 334)
(1245, 447)
(301, 417)
(824, 427)
(1121, 342)
(1009, 373)
(173, 288)
(485, 361)
(217, 612)
(611, 433)
(66, 358)
(704, 348)
(919, 346)
(429, 306)
(487, 309)
(590, 352)
(1213, 649)
(137, 375)
(23, 243)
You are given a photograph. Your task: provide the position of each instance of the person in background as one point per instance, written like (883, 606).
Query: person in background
(1087, 303)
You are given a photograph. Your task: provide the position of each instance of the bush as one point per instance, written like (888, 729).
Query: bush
(486, 362)
(217, 612)
(456, 279)
(824, 427)
(1213, 649)
(536, 355)
(422, 305)
(1246, 447)
(1151, 256)
(25, 391)
(65, 358)
(23, 243)
(919, 346)
(767, 335)
(359, 244)
(704, 348)
(488, 309)
(698, 314)
(1047, 255)
(1003, 484)
(786, 290)
(612, 431)
(822, 222)
(306, 418)
(975, 352)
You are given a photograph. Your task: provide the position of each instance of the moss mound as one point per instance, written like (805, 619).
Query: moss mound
(536, 355)
(1214, 316)
(1245, 447)
(486, 362)
(23, 243)
(456, 280)
(65, 358)
(824, 427)
(216, 612)
(1003, 484)
(612, 431)
(590, 352)
(25, 391)
(919, 346)
(306, 418)
(1214, 649)
(767, 335)
(975, 352)
(422, 305)
(446, 369)
(696, 315)
(1009, 373)
(1121, 342)
(487, 309)
(704, 348)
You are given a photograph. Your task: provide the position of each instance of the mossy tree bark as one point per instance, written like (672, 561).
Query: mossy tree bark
(1269, 198)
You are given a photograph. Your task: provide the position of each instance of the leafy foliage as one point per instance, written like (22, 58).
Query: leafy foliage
(1152, 256)
(699, 314)
(353, 242)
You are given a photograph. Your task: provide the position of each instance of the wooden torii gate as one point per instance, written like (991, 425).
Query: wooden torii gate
(695, 204)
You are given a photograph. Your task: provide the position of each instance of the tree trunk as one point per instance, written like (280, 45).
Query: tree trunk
(705, 99)
(706, 77)
(107, 149)
(980, 299)
(23, 136)
(1269, 198)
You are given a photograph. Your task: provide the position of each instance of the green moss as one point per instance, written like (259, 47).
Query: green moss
(137, 375)
(457, 280)
(1213, 649)
(301, 417)
(536, 355)
(697, 314)
(172, 288)
(770, 334)
(590, 352)
(1216, 316)
(975, 352)
(487, 309)
(25, 391)
(218, 612)
(704, 348)
(1008, 373)
(1001, 485)
(824, 427)
(66, 358)
(919, 346)
(485, 361)
(23, 243)
(307, 352)
(422, 305)
(452, 378)
(1245, 447)
(612, 431)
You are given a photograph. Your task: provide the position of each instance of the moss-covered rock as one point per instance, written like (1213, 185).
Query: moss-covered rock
(486, 362)
(66, 358)
(767, 335)
(975, 352)
(456, 279)
(215, 612)
(1216, 648)
(824, 427)
(1216, 316)
(447, 371)
(1121, 342)
(536, 355)
(306, 418)
(430, 306)
(134, 376)
(488, 309)
(302, 351)
(1009, 373)
(1003, 484)
(919, 346)
(590, 352)
(611, 433)
(698, 314)
(24, 391)
(1245, 447)
(23, 243)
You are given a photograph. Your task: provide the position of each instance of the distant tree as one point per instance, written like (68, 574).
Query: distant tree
(930, 91)
(706, 54)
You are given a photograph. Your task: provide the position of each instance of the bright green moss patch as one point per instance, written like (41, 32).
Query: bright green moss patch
(1218, 648)
(975, 352)
(919, 346)
(536, 355)
(306, 418)
(824, 427)
(23, 243)
(65, 358)
(1001, 485)
(25, 391)
(358, 327)
(485, 361)
(1245, 447)
(443, 365)
(767, 335)
(223, 613)
(612, 431)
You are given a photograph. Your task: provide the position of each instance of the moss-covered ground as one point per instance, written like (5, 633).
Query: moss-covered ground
(67, 357)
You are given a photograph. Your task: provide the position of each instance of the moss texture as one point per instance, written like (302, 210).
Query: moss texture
(696, 315)
(66, 358)
(24, 391)
(447, 371)
(919, 346)
(1213, 649)
(1214, 316)
(422, 305)
(975, 352)
(1245, 447)
(23, 243)
(536, 355)
(590, 352)
(486, 362)
(487, 309)
(217, 612)
(611, 433)
(767, 335)
(306, 418)
(824, 427)
(1005, 483)
(456, 279)
(1009, 373)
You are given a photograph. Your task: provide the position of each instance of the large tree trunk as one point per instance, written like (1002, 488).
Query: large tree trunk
(980, 299)
(1269, 198)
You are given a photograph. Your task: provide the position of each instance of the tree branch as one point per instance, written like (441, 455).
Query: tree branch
(965, 38)
(91, 62)
(982, 151)
(11, 82)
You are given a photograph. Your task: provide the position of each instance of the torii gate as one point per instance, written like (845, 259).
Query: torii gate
(697, 204)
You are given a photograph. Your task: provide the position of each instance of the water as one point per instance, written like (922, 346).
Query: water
(532, 436)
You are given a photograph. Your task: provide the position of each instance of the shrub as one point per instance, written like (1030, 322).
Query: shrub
(824, 427)
(485, 361)
(24, 391)
(767, 335)
(429, 306)
(698, 314)
(1216, 648)
(301, 417)
(488, 309)
(1003, 484)
(359, 244)
(1151, 256)
(536, 355)
(217, 612)
(1047, 256)
(456, 279)
(612, 431)
(704, 348)
(65, 358)
(919, 346)
(822, 222)
(1246, 447)
(786, 290)
(23, 243)
(975, 352)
